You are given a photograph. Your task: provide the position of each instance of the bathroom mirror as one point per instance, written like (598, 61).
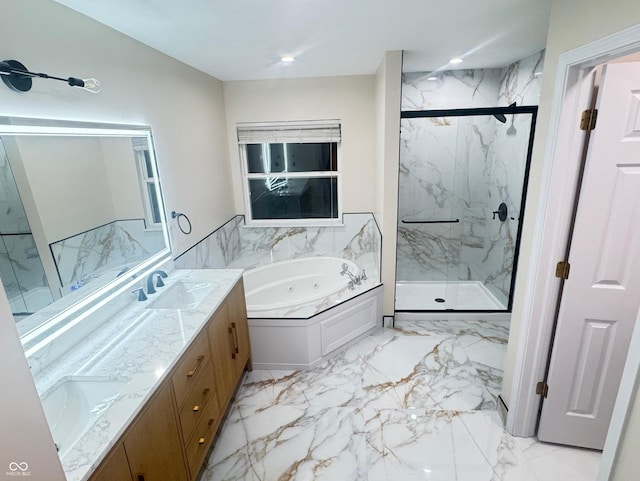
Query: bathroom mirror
(80, 213)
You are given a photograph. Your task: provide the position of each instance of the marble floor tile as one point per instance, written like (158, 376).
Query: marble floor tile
(291, 443)
(417, 402)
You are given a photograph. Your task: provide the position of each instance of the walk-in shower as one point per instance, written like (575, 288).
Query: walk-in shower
(463, 176)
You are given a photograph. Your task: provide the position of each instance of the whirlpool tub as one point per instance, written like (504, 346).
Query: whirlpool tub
(304, 310)
(295, 283)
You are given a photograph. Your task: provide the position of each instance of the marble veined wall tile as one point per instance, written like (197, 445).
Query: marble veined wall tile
(237, 246)
(13, 218)
(453, 89)
(463, 168)
(519, 82)
(217, 250)
(121, 243)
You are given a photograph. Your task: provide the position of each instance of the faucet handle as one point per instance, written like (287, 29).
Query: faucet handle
(159, 282)
(141, 294)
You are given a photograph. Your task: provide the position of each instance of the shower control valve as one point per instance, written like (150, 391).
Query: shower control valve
(501, 212)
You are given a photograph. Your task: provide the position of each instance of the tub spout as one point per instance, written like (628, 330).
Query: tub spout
(354, 280)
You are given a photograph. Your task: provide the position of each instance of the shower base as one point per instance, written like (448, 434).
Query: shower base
(441, 296)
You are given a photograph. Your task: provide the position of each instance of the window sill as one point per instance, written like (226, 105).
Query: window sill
(295, 223)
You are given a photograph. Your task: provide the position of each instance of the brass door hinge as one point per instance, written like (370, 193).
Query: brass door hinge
(562, 270)
(542, 389)
(588, 119)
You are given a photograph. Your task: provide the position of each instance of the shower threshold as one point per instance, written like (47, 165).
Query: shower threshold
(445, 296)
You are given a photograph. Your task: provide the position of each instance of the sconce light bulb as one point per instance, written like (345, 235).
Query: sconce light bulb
(92, 85)
(89, 84)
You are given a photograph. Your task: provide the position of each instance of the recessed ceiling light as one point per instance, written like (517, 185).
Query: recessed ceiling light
(287, 59)
(455, 60)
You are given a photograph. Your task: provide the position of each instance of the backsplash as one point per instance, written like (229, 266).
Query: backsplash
(122, 243)
(236, 246)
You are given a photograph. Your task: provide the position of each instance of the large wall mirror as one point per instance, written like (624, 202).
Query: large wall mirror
(80, 213)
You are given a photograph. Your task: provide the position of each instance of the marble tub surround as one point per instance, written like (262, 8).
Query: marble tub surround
(139, 346)
(217, 250)
(411, 403)
(123, 242)
(237, 246)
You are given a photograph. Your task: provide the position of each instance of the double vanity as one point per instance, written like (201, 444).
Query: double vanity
(134, 368)
(147, 405)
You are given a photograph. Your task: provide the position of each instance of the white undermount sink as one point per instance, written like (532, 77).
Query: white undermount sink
(75, 403)
(181, 295)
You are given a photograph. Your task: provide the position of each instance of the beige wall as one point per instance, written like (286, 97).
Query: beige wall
(388, 98)
(68, 181)
(185, 109)
(627, 465)
(348, 99)
(573, 23)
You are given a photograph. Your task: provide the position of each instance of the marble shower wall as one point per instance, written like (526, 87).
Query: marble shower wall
(236, 246)
(462, 168)
(123, 242)
(20, 265)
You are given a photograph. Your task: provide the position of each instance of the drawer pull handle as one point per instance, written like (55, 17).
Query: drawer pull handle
(196, 408)
(201, 441)
(235, 338)
(206, 391)
(193, 371)
(233, 345)
(210, 421)
(140, 477)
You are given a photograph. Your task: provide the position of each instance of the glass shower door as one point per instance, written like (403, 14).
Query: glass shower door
(462, 190)
(425, 213)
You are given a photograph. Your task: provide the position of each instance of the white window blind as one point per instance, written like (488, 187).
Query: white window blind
(313, 131)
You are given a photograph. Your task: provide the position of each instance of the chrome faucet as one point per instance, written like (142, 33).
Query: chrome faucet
(354, 280)
(161, 275)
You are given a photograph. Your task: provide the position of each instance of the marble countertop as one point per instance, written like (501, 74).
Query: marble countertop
(128, 358)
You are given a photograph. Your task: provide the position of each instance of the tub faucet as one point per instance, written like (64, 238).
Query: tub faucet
(354, 280)
(161, 275)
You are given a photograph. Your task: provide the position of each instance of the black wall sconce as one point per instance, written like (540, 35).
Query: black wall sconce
(17, 77)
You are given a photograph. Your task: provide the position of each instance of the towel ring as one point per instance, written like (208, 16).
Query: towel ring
(178, 215)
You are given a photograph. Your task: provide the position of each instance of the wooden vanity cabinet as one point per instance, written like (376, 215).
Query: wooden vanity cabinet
(114, 468)
(238, 323)
(152, 443)
(172, 435)
(229, 337)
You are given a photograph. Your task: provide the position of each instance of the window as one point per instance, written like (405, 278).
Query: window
(291, 172)
(148, 183)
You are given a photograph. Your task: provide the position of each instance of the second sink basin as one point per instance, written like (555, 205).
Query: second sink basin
(74, 404)
(181, 295)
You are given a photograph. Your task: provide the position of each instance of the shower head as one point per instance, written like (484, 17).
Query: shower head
(501, 117)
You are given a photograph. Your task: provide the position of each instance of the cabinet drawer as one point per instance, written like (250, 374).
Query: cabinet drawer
(196, 403)
(198, 445)
(187, 371)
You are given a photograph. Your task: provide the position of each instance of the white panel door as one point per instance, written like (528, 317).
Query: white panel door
(601, 297)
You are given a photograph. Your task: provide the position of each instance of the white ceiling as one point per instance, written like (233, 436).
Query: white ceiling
(244, 39)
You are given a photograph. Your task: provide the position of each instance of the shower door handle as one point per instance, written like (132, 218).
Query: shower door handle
(449, 221)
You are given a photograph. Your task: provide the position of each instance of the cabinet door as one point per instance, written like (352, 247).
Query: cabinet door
(114, 468)
(222, 354)
(238, 318)
(153, 444)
